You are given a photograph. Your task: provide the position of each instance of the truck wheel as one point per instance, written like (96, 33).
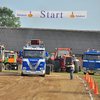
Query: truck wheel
(80, 68)
(23, 74)
(43, 75)
(84, 73)
(8, 67)
(48, 67)
(76, 63)
(57, 65)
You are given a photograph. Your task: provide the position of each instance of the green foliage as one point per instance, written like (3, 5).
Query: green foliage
(98, 80)
(8, 19)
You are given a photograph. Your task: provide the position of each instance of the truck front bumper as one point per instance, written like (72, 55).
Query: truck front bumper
(28, 72)
(90, 71)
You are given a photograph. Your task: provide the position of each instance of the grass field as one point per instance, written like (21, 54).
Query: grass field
(10, 70)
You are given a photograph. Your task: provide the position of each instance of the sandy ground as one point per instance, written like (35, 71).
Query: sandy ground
(51, 87)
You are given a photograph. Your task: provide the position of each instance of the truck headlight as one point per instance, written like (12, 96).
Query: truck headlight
(41, 68)
(84, 68)
(24, 68)
(85, 60)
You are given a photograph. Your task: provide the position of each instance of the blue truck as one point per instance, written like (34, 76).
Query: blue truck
(34, 59)
(91, 61)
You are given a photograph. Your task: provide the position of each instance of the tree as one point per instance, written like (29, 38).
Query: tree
(8, 19)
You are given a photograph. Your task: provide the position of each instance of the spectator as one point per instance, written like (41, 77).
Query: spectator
(71, 70)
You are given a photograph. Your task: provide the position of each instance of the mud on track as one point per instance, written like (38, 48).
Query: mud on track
(52, 87)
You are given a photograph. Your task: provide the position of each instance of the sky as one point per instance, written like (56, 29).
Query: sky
(91, 23)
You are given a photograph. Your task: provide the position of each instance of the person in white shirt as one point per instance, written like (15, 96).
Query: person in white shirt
(71, 70)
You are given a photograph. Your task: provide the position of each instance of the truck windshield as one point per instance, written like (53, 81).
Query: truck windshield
(91, 57)
(6, 54)
(33, 54)
(51, 56)
(63, 52)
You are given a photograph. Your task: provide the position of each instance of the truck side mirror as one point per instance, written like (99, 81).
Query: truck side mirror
(47, 54)
(20, 53)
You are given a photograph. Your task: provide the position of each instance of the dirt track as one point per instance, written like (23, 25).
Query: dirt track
(52, 87)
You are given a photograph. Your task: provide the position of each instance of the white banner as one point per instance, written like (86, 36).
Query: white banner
(51, 14)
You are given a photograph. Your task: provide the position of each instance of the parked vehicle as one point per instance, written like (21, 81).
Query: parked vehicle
(91, 61)
(63, 60)
(10, 62)
(52, 56)
(7, 52)
(34, 59)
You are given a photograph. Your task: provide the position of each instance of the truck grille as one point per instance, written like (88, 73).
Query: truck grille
(91, 65)
(34, 64)
(68, 61)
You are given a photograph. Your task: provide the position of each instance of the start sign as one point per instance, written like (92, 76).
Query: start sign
(45, 14)
(51, 14)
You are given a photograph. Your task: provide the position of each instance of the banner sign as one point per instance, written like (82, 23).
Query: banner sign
(51, 14)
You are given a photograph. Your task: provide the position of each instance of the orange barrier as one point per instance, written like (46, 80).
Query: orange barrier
(92, 85)
(88, 79)
(96, 89)
(86, 76)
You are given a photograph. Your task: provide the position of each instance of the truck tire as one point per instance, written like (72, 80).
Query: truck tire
(0, 67)
(52, 66)
(53, 62)
(43, 75)
(23, 74)
(48, 67)
(84, 73)
(57, 66)
(49, 61)
(8, 67)
(76, 63)
(80, 67)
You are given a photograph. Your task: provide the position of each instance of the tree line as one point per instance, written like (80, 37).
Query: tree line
(8, 19)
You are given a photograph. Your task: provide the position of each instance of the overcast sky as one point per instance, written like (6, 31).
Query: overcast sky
(92, 22)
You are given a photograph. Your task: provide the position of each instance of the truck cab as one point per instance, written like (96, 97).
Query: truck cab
(91, 61)
(34, 58)
(10, 62)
